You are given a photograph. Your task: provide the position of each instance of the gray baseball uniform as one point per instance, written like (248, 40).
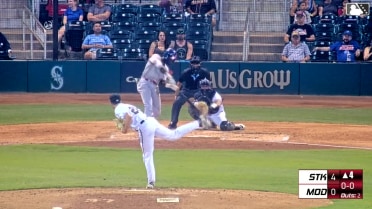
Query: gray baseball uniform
(148, 85)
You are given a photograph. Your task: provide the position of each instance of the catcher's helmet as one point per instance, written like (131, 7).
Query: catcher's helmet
(169, 55)
(195, 60)
(115, 99)
(205, 83)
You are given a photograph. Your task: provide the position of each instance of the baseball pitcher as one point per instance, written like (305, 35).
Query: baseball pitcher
(128, 116)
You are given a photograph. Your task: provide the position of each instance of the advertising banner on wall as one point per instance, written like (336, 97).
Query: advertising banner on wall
(268, 78)
(330, 79)
(103, 76)
(57, 76)
(366, 79)
(13, 76)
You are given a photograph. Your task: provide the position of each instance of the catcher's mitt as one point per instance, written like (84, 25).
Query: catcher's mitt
(204, 99)
(119, 124)
(194, 113)
(202, 107)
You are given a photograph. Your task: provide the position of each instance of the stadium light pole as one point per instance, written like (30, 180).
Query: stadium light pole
(55, 30)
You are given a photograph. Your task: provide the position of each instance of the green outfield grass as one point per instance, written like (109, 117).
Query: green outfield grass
(50, 166)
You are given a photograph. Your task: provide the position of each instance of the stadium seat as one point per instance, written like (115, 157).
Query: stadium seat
(154, 26)
(121, 34)
(125, 8)
(171, 33)
(145, 34)
(148, 17)
(144, 44)
(131, 26)
(150, 9)
(199, 18)
(74, 35)
(199, 26)
(122, 43)
(107, 54)
(325, 36)
(173, 18)
(133, 53)
(322, 56)
(123, 17)
(195, 34)
(202, 51)
(173, 26)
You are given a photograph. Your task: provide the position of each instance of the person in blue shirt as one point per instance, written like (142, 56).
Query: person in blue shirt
(347, 50)
(95, 41)
(72, 13)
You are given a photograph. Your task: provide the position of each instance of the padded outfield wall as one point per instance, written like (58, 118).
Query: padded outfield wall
(353, 79)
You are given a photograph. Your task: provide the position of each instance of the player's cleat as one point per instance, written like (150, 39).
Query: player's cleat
(172, 126)
(239, 126)
(204, 122)
(150, 185)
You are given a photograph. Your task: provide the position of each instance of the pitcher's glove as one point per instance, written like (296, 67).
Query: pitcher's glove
(119, 124)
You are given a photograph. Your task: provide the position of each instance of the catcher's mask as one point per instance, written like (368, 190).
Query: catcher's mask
(169, 56)
(205, 85)
(115, 99)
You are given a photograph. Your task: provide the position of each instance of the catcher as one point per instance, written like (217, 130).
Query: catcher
(216, 112)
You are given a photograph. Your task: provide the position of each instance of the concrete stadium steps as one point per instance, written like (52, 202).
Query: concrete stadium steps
(270, 57)
(227, 46)
(15, 37)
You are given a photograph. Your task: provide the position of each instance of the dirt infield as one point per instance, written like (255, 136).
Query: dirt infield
(258, 135)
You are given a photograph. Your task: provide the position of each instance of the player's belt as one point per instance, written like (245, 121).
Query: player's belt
(142, 121)
(152, 81)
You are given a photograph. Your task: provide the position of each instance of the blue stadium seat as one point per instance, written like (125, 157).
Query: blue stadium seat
(107, 54)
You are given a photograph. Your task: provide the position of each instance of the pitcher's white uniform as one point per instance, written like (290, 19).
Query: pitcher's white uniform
(148, 86)
(148, 128)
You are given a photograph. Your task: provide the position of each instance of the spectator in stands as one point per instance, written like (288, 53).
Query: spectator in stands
(205, 7)
(171, 6)
(5, 49)
(347, 50)
(305, 30)
(296, 51)
(328, 8)
(95, 41)
(342, 8)
(312, 8)
(159, 46)
(183, 47)
(99, 12)
(72, 13)
(303, 7)
(367, 53)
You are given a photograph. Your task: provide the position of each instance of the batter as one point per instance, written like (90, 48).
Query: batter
(148, 128)
(156, 71)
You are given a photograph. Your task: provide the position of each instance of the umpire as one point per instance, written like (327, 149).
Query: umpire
(188, 84)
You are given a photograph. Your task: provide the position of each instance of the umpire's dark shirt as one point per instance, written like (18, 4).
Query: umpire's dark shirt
(190, 78)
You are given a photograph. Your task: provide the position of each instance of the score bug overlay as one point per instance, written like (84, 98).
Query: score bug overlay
(330, 184)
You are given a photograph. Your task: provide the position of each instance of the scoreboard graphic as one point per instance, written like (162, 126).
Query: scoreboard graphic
(330, 184)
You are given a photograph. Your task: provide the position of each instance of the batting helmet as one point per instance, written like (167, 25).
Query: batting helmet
(115, 99)
(169, 55)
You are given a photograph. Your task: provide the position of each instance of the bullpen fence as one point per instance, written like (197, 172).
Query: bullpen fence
(353, 79)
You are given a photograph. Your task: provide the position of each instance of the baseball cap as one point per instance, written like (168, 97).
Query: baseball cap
(347, 33)
(295, 33)
(195, 60)
(180, 31)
